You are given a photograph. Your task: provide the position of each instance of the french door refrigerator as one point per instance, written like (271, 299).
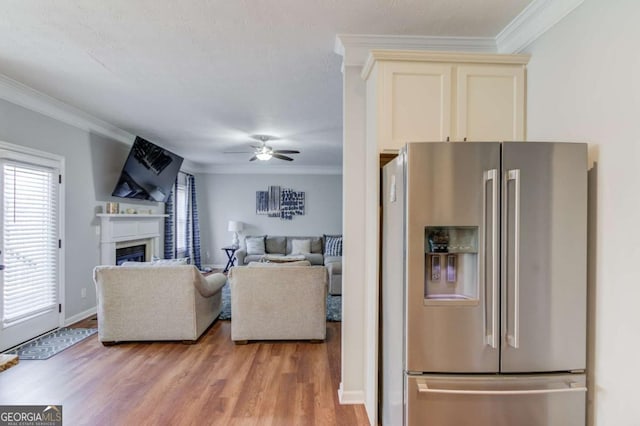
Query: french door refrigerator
(483, 288)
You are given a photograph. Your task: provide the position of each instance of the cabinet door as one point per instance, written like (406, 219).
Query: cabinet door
(416, 103)
(490, 103)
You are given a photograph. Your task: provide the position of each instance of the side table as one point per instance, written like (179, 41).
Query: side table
(229, 251)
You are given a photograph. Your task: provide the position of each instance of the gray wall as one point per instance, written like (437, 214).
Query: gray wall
(222, 198)
(93, 164)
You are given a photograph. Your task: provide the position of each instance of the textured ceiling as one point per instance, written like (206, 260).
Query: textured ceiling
(199, 77)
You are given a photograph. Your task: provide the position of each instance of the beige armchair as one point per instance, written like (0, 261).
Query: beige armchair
(278, 302)
(155, 302)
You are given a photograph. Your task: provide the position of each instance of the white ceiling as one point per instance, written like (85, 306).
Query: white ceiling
(199, 76)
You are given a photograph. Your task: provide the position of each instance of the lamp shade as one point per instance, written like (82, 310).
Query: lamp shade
(235, 226)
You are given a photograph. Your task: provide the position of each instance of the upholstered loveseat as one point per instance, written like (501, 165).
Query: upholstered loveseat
(272, 301)
(253, 251)
(155, 302)
(265, 247)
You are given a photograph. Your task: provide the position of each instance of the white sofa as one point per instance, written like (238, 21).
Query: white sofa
(162, 302)
(271, 301)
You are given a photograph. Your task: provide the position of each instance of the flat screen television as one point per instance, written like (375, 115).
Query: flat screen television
(149, 173)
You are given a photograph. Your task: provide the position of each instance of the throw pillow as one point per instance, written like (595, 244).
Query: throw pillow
(179, 261)
(333, 245)
(276, 265)
(300, 246)
(255, 245)
(316, 245)
(136, 264)
(279, 258)
(276, 245)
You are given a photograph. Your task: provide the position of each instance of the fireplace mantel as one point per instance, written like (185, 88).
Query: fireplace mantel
(121, 228)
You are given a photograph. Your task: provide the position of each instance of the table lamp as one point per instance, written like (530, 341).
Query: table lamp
(235, 227)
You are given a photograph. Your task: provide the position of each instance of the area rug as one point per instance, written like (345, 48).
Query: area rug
(46, 346)
(334, 305)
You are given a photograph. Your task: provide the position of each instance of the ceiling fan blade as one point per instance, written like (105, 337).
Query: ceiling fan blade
(281, 157)
(286, 151)
(254, 158)
(237, 152)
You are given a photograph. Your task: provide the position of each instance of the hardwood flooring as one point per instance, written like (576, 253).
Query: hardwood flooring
(212, 382)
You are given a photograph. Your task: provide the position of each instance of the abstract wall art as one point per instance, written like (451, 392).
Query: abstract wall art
(279, 202)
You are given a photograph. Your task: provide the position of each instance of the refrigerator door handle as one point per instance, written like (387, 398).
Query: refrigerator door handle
(514, 340)
(571, 387)
(491, 175)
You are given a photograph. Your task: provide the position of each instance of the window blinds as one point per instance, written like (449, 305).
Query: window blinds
(30, 240)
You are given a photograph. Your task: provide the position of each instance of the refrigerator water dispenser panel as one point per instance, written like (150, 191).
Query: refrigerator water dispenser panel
(451, 264)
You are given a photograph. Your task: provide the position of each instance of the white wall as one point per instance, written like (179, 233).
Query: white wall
(222, 198)
(93, 164)
(583, 85)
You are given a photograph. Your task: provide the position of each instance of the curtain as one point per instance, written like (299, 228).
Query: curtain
(193, 223)
(169, 225)
(190, 227)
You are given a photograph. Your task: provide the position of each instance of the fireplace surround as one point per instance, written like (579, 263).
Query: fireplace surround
(126, 230)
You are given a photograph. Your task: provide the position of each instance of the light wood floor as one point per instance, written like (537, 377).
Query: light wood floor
(213, 382)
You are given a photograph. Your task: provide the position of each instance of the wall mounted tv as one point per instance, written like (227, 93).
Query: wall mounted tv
(149, 173)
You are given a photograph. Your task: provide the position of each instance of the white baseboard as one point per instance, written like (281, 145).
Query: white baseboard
(350, 397)
(81, 316)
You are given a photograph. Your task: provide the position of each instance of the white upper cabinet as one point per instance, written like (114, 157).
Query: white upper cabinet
(417, 97)
(490, 103)
(439, 96)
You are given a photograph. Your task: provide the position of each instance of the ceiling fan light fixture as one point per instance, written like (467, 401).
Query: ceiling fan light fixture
(264, 156)
(264, 152)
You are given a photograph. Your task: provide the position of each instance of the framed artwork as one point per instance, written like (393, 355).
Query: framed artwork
(278, 202)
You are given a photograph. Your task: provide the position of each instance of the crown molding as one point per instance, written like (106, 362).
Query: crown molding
(29, 98)
(355, 48)
(258, 169)
(449, 57)
(536, 19)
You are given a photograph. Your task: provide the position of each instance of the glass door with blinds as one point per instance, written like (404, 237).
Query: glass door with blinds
(29, 244)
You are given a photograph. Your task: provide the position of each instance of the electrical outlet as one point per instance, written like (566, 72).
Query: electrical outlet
(208, 255)
(83, 292)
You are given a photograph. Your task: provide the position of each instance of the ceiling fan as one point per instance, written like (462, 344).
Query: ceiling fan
(264, 152)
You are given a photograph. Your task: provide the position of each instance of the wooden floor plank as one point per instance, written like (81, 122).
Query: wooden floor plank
(211, 382)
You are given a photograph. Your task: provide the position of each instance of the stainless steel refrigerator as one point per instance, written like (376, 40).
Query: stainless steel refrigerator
(483, 291)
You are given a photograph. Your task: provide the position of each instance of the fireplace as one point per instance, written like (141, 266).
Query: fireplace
(119, 231)
(137, 253)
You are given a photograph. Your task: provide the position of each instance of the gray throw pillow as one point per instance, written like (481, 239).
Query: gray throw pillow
(316, 245)
(276, 245)
(255, 245)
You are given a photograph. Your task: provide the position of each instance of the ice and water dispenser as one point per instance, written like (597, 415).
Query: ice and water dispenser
(451, 264)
